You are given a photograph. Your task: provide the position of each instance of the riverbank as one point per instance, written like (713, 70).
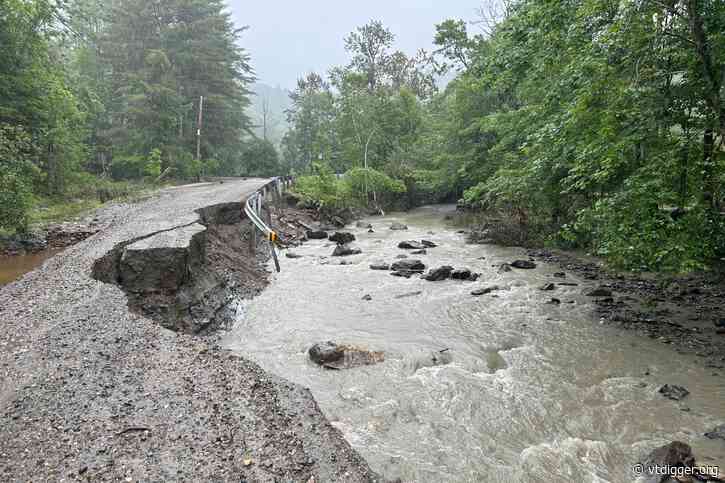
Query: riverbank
(94, 388)
(684, 312)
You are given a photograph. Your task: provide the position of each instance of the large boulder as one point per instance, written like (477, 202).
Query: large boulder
(675, 455)
(342, 237)
(344, 251)
(409, 264)
(398, 226)
(316, 234)
(440, 273)
(326, 352)
(674, 392)
(335, 356)
(410, 245)
(464, 274)
(523, 264)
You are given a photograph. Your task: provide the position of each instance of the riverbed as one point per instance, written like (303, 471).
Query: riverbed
(533, 392)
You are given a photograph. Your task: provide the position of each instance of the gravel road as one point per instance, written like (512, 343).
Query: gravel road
(91, 391)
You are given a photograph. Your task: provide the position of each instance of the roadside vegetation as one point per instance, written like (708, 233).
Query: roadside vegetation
(583, 124)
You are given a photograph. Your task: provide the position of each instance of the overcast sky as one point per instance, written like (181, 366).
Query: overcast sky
(288, 38)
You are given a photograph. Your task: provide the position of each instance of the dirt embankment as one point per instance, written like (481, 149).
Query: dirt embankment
(95, 387)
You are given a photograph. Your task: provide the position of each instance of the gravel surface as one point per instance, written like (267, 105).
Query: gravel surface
(92, 391)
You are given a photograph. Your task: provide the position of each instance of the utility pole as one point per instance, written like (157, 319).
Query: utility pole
(265, 115)
(198, 129)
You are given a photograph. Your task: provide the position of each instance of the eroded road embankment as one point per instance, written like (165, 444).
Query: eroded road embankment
(96, 387)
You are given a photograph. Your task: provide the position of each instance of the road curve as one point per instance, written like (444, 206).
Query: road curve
(90, 390)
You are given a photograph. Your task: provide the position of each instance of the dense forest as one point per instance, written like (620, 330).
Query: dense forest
(585, 124)
(94, 93)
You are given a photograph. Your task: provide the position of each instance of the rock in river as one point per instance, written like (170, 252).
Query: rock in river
(504, 267)
(674, 455)
(344, 251)
(342, 237)
(428, 244)
(398, 226)
(380, 266)
(362, 224)
(440, 273)
(485, 290)
(465, 274)
(548, 286)
(523, 264)
(410, 245)
(326, 352)
(717, 433)
(420, 252)
(410, 264)
(599, 292)
(336, 356)
(674, 392)
(292, 255)
(316, 234)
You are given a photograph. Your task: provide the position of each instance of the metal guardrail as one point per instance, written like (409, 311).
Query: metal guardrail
(253, 210)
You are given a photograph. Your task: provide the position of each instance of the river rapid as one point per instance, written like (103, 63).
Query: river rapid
(527, 392)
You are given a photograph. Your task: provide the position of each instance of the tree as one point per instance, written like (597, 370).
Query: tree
(164, 57)
(311, 135)
(260, 158)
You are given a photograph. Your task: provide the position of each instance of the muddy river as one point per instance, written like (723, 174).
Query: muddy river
(12, 268)
(532, 392)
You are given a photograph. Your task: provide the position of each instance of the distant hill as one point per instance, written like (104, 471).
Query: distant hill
(276, 100)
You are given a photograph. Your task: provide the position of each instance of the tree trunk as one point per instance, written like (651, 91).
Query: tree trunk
(713, 78)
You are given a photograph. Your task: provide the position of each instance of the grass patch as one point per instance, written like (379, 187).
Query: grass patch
(53, 210)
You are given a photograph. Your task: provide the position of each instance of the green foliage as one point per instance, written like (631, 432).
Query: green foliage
(593, 118)
(16, 178)
(321, 187)
(353, 189)
(260, 158)
(153, 164)
(361, 182)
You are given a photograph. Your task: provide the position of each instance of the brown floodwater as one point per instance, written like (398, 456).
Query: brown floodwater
(530, 392)
(12, 268)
